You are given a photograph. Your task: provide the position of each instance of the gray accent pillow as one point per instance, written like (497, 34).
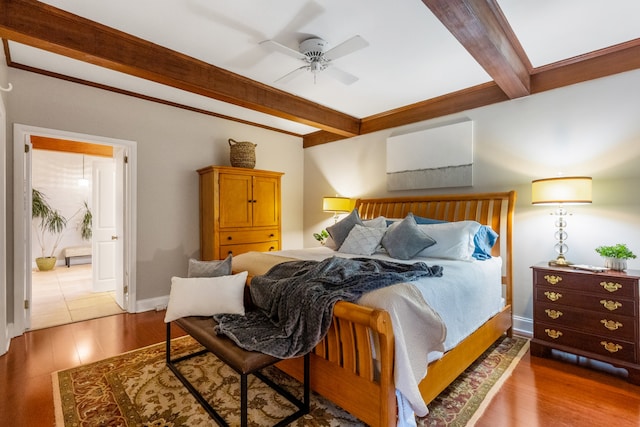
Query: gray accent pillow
(209, 268)
(404, 240)
(340, 230)
(362, 240)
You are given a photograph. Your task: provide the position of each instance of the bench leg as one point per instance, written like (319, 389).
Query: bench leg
(67, 261)
(244, 403)
(302, 405)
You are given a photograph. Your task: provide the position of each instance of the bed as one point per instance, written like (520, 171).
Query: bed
(356, 371)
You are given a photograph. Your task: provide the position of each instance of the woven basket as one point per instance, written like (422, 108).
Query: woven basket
(242, 154)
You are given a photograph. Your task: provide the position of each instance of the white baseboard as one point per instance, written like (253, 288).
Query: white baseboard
(5, 340)
(157, 303)
(523, 326)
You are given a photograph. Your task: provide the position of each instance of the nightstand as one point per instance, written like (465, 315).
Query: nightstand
(589, 314)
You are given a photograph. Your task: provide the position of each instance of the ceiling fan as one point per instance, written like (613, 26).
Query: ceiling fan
(317, 58)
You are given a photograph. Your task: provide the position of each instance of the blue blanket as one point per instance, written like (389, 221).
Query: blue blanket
(295, 301)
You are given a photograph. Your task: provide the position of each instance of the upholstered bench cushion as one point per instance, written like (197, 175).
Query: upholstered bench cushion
(77, 251)
(242, 361)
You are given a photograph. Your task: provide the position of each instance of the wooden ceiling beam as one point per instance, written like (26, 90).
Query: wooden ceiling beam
(601, 63)
(45, 27)
(455, 102)
(482, 29)
(479, 25)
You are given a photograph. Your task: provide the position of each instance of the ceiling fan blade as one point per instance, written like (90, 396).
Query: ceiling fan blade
(341, 75)
(346, 47)
(277, 47)
(292, 75)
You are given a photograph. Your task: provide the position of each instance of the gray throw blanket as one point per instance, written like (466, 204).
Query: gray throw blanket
(296, 299)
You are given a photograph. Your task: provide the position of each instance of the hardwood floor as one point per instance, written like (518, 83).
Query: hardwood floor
(540, 392)
(26, 397)
(564, 391)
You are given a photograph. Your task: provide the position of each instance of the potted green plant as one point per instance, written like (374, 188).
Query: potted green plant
(321, 236)
(86, 222)
(47, 220)
(615, 256)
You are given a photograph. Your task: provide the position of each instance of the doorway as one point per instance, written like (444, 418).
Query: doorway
(124, 152)
(62, 178)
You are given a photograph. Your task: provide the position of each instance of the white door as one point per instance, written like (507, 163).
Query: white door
(107, 239)
(4, 331)
(26, 233)
(122, 290)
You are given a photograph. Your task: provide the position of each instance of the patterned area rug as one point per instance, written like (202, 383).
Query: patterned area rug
(137, 389)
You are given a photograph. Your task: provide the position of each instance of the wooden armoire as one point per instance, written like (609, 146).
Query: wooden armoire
(239, 211)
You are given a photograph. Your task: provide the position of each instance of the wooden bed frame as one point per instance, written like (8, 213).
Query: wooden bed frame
(342, 368)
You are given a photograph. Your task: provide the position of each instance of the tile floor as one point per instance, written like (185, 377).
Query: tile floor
(64, 295)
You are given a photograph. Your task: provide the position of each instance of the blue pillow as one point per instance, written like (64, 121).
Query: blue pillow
(419, 220)
(423, 220)
(484, 240)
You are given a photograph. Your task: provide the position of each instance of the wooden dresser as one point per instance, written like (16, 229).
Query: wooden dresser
(588, 314)
(239, 211)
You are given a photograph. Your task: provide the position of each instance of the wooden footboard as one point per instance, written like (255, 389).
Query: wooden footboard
(342, 368)
(342, 365)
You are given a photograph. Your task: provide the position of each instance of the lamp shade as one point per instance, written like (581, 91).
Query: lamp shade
(570, 189)
(337, 204)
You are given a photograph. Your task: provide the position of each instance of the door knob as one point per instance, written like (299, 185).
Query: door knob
(114, 237)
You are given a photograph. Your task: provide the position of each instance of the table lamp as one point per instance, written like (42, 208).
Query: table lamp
(561, 191)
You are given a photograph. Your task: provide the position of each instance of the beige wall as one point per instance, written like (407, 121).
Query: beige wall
(171, 144)
(588, 129)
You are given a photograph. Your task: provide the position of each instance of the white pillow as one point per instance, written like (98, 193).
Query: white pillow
(454, 240)
(206, 296)
(362, 240)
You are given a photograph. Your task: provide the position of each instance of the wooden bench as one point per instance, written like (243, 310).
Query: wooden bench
(242, 361)
(75, 251)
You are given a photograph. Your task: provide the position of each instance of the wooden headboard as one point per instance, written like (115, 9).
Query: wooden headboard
(492, 209)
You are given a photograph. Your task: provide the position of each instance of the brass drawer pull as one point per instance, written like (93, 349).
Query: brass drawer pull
(553, 296)
(611, 305)
(554, 314)
(611, 347)
(611, 325)
(553, 333)
(610, 286)
(553, 279)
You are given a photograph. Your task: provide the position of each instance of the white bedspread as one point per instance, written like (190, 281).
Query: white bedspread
(461, 299)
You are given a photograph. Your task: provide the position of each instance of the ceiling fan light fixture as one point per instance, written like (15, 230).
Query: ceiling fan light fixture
(314, 53)
(313, 48)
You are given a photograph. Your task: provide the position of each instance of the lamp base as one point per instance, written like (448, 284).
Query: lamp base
(560, 262)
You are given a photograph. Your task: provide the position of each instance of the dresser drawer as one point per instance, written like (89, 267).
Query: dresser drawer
(598, 303)
(602, 345)
(247, 247)
(611, 286)
(248, 236)
(612, 325)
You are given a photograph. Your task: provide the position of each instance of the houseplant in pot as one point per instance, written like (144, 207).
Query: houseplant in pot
(86, 222)
(46, 220)
(615, 256)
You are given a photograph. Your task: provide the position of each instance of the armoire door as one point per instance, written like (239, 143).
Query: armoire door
(266, 205)
(236, 207)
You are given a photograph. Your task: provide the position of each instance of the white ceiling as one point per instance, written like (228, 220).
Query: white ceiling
(411, 56)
